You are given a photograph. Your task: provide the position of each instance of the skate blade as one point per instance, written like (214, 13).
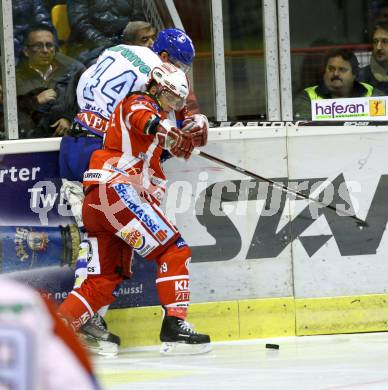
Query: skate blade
(179, 348)
(101, 348)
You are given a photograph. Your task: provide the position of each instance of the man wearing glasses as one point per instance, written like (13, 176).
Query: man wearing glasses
(37, 78)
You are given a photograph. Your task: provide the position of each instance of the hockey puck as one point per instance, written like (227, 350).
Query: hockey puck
(272, 346)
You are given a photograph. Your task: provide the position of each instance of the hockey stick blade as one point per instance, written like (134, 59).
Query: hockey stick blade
(282, 187)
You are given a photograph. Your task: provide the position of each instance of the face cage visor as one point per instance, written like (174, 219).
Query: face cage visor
(180, 65)
(175, 101)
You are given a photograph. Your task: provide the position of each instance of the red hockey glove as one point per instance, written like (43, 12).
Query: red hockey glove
(197, 125)
(177, 142)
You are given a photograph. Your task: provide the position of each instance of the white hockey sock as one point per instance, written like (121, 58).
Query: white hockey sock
(102, 311)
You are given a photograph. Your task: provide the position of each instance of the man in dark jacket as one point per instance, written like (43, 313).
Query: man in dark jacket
(97, 23)
(341, 68)
(376, 73)
(40, 83)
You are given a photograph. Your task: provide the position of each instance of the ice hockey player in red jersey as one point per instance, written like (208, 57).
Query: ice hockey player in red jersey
(124, 186)
(117, 68)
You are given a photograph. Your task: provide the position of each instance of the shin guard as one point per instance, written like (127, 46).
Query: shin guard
(76, 310)
(173, 278)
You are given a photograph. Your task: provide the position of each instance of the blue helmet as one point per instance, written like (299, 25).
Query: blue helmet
(177, 44)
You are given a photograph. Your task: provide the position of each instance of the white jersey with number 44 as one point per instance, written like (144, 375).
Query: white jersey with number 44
(119, 70)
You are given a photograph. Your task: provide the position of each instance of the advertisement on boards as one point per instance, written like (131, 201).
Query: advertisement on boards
(249, 238)
(39, 238)
(252, 239)
(364, 108)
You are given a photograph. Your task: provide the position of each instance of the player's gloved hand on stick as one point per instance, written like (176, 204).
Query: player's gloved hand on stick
(197, 125)
(177, 142)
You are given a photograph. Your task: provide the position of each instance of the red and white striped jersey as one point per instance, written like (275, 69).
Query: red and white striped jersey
(130, 155)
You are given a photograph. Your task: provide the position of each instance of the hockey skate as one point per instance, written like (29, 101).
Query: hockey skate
(97, 339)
(179, 338)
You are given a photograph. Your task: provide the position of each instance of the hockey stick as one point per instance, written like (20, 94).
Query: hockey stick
(283, 187)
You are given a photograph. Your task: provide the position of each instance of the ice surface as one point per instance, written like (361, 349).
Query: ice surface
(356, 362)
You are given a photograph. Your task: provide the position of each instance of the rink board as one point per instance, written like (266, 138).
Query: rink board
(252, 245)
(260, 318)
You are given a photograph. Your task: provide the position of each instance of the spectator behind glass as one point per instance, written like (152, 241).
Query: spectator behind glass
(96, 23)
(341, 68)
(26, 13)
(40, 80)
(376, 73)
(137, 33)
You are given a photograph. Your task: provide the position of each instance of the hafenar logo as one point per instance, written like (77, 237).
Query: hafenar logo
(335, 109)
